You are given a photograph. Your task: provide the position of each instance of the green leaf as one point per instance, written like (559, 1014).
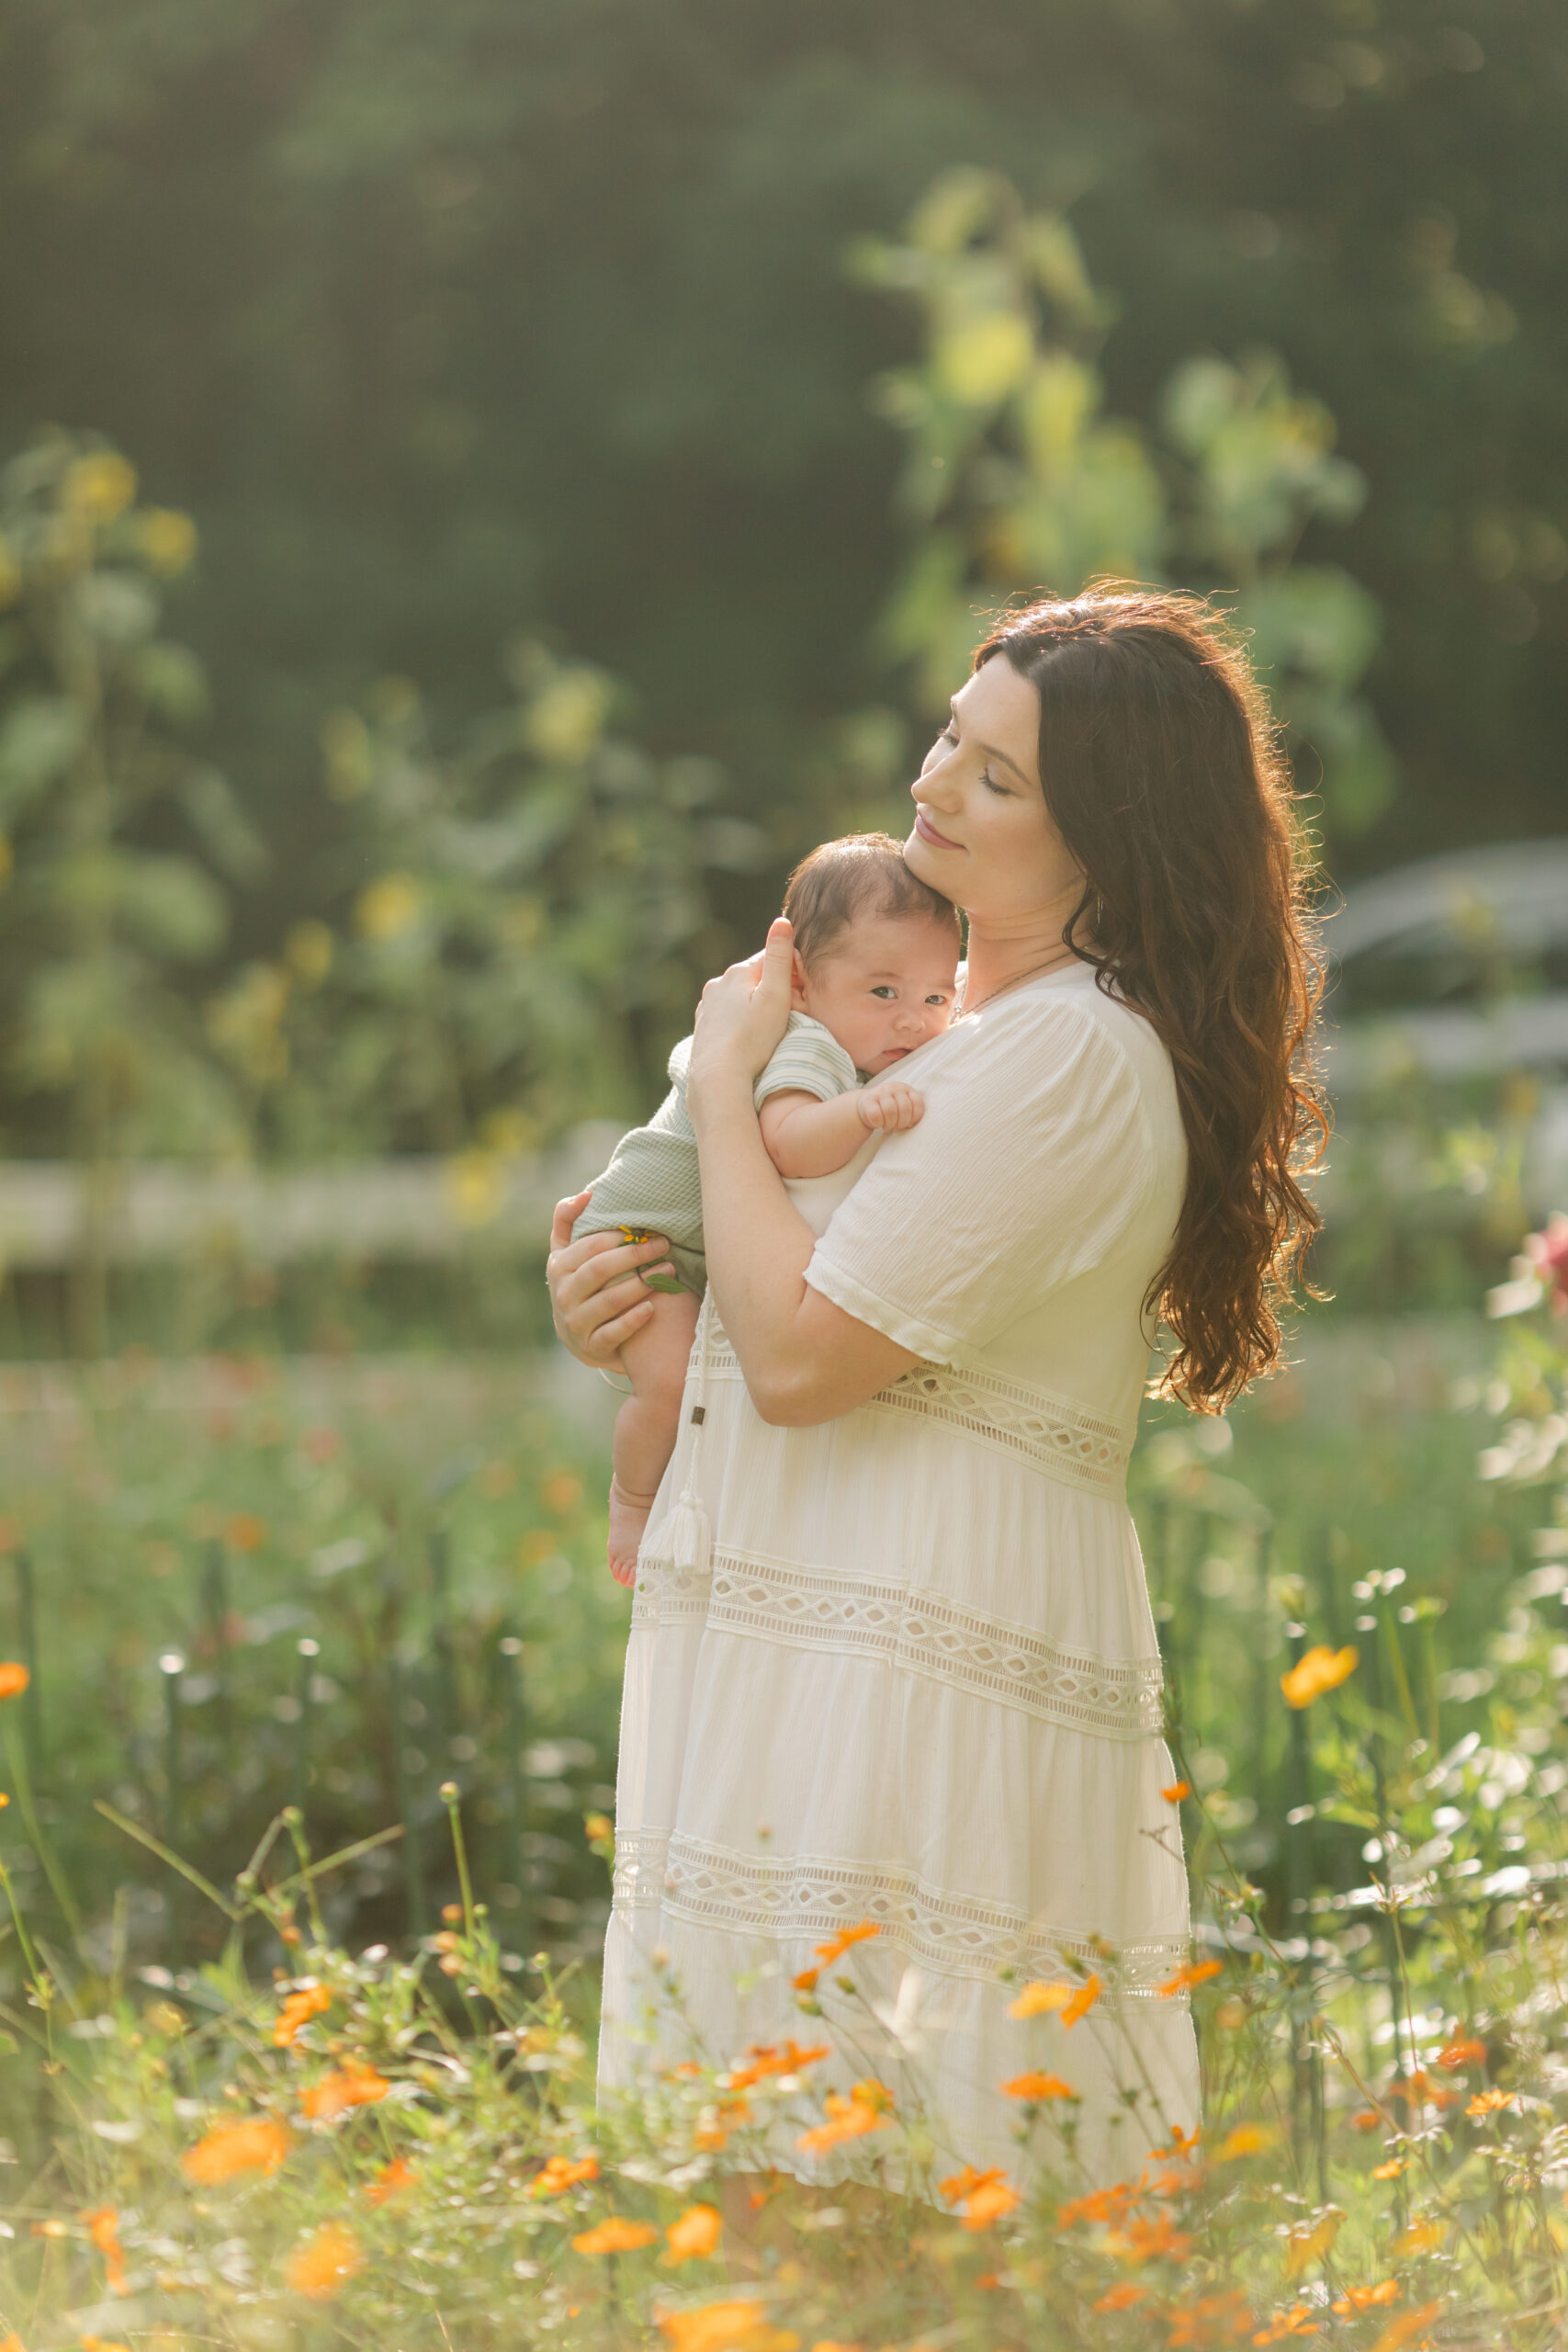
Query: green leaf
(38, 739)
(169, 905)
(226, 832)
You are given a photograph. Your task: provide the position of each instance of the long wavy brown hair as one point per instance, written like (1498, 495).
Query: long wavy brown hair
(1164, 774)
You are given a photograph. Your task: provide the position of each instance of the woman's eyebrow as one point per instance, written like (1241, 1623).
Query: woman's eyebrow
(993, 754)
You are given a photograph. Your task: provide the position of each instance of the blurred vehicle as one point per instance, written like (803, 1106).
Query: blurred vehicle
(1453, 972)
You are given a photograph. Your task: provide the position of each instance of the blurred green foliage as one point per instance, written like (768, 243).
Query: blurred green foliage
(450, 322)
(1014, 475)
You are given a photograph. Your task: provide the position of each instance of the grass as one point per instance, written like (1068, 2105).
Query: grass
(343, 2101)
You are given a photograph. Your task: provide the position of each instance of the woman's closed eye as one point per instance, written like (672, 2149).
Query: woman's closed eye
(950, 737)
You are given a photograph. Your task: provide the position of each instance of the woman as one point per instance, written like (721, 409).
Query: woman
(918, 1687)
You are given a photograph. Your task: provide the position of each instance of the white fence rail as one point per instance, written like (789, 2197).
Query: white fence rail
(417, 1208)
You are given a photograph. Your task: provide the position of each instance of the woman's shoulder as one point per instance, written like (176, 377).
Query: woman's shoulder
(1065, 1029)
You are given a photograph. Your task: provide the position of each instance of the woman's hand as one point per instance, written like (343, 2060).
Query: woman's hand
(741, 1018)
(597, 1295)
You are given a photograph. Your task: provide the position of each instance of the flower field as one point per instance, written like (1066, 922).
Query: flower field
(308, 1710)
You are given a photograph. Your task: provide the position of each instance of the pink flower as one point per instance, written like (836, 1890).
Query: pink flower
(1548, 1252)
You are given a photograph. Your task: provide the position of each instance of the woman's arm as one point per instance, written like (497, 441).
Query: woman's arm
(804, 1359)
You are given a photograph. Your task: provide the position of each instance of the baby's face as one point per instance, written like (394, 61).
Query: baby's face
(884, 987)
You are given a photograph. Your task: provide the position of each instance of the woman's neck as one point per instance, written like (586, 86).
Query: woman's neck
(1005, 949)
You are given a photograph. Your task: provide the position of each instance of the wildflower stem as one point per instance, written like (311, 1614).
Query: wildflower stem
(26, 1640)
(21, 1772)
(157, 1846)
(451, 1798)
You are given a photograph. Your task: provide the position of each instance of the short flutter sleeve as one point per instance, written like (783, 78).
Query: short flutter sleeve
(1033, 1158)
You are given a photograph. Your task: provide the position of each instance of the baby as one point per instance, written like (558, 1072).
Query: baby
(876, 960)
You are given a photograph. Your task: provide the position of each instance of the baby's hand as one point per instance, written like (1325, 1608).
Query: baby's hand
(891, 1107)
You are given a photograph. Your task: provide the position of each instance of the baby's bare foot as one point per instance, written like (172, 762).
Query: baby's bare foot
(628, 1518)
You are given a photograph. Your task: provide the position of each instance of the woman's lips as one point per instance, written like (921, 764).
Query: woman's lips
(928, 831)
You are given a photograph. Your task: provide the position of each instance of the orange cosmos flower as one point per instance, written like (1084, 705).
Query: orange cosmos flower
(1421, 2237)
(1318, 1670)
(307, 2002)
(1141, 2241)
(103, 2228)
(866, 2109)
(245, 1532)
(322, 2265)
(1469, 2052)
(1406, 2327)
(258, 2144)
(1391, 2171)
(1039, 2086)
(1099, 2205)
(1488, 2102)
(14, 1678)
(828, 1952)
(787, 2058)
(986, 2197)
(1367, 2118)
(1366, 2299)
(94, 2343)
(614, 2235)
(1173, 1795)
(1083, 2000)
(1198, 1973)
(694, 2237)
(730, 2326)
(1209, 2319)
(1297, 2321)
(1120, 2299)
(562, 2173)
(390, 2181)
(353, 2084)
(989, 2203)
(1038, 1999)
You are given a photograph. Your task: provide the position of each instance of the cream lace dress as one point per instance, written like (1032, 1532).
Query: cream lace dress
(918, 1684)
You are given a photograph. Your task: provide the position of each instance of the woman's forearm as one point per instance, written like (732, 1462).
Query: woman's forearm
(757, 1243)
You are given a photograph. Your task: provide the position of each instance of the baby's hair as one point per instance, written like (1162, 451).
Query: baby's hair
(862, 874)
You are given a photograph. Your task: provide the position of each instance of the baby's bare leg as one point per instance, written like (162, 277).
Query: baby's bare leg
(647, 1424)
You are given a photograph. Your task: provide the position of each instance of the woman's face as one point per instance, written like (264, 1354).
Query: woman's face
(983, 835)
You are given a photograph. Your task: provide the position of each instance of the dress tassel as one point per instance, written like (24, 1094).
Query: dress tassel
(683, 1538)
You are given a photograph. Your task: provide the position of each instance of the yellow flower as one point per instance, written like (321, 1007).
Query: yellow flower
(14, 1678)
(1488, 2102)
(1318, 1670)
(387, 906)
(1391, 2171)
(355, 2085)
(475, 1186)
(1303, 2247)
(614, 2235)
(694, 2237)
(1246, 2140)
(310, 2001)
(100, 487)
(325, 2263)
(168, 541)
(1039, 2086)
(1421, 2237)
(258, 2144)
(1037, 1998)
(307, 951)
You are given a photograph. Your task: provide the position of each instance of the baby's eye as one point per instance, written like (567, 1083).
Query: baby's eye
(939, 998)
(884, 990)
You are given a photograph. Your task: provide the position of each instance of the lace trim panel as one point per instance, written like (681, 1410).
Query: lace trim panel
(1051, 1434)
(920, 1633)
(810, 1898)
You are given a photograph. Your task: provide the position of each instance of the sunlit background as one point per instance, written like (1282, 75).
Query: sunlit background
(483, 487)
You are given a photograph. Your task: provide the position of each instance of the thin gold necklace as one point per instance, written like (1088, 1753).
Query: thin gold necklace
(1053, 963)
